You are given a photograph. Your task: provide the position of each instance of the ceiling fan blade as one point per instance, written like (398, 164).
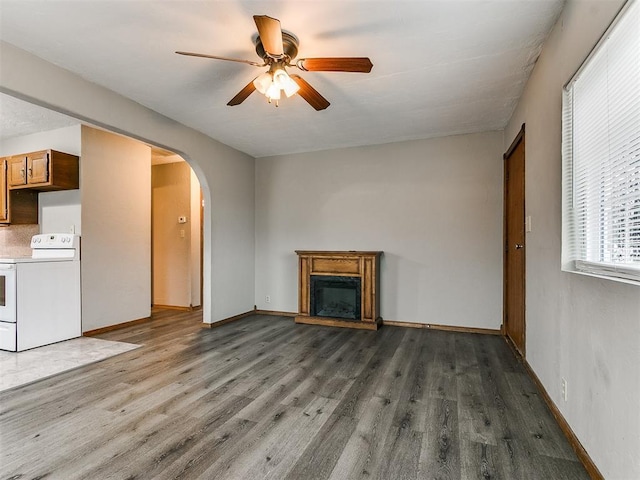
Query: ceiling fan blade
(215, 57)
(310, 94)
(270, 34)
(337, 64)
(242, 94)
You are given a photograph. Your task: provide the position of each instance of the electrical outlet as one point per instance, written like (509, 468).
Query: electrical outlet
(267, 298)
(564, 389)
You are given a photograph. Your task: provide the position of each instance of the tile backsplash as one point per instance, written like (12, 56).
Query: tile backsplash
(15, 239)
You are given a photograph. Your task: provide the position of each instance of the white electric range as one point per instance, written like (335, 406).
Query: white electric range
(40, 300)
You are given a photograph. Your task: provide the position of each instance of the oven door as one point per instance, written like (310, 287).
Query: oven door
(7, 292)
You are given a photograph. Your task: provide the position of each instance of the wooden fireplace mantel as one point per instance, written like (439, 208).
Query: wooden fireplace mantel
(365, 265)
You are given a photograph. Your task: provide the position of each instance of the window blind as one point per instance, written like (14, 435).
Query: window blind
(601, 150)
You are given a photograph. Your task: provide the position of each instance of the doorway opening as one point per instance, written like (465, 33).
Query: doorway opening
(176, 233)
(514, 327)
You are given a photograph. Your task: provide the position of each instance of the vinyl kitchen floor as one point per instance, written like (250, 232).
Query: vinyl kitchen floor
(21, 368)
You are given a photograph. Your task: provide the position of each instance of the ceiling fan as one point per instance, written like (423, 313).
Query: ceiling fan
(277, 50)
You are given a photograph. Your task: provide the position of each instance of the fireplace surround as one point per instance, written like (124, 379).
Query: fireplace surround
(339, 288)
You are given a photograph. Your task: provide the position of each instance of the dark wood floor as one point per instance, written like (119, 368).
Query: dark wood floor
(266, 398)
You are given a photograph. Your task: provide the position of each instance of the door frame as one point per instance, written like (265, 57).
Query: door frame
(520, 138)
(201, 206)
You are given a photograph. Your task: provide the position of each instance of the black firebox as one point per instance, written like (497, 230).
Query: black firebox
(335, 297)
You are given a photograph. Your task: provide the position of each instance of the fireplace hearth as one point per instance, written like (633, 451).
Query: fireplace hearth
(339, 288)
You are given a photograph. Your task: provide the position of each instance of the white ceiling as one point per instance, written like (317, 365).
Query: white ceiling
(18, 118)
(440, 67)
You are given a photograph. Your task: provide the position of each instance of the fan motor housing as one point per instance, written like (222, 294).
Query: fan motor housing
(289, 47)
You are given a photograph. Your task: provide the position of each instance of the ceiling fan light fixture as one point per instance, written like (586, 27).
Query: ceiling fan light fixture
(273, 92)
(263, 82)
(284, 82)
(278, 76)
(289, 86)
(271, 83)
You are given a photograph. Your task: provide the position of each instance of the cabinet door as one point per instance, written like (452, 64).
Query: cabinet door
(38, 167)
(17, 171)
(4, 211)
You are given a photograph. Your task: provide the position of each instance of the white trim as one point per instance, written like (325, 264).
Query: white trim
(610, 271)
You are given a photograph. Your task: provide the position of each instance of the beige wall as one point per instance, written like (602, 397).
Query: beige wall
(173, 242)
(116, 229)
(433, 206)
(583, 329)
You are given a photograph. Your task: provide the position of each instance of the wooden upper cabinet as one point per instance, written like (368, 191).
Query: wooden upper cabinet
(4, 210)
(23, 176)
(16, 171)
(44, 171)
(38, 167)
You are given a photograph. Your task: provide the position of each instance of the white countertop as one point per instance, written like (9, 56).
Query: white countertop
(29, 259)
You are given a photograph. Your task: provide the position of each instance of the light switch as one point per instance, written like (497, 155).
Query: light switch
(527, 223)
(181, 233)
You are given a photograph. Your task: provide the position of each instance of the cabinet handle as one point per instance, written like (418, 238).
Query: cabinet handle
(22, 172)
(30, 172)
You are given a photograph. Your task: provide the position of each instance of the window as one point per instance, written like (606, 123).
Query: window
(601, 155)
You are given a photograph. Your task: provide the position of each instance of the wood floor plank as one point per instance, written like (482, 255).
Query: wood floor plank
(479, 461)
(263, 435)
(364, 448)
(318, 460)
(440, 379)
(536, 418)
(276, 453)
(401, 452)
(321, 379)
(440, 449)
(523, 436)
(209, 451)
(475, 412)
(293, 378)
(263, 397)
(172, 448)
(403, 461)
